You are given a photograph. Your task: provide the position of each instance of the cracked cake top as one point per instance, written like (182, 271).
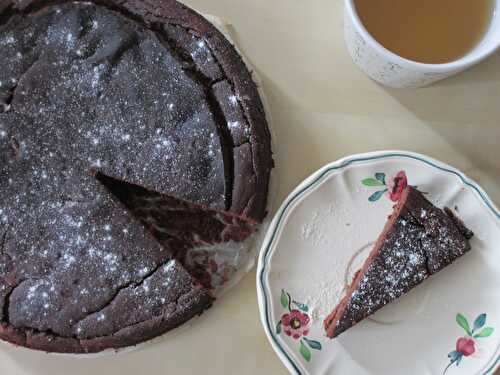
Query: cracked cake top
(145, 92)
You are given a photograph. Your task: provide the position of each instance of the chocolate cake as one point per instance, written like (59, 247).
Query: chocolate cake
(131, 133)
(418, 241)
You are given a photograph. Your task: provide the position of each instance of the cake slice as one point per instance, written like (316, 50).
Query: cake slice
(418, 241)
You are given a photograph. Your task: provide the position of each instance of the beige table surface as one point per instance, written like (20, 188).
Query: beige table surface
(323, 108)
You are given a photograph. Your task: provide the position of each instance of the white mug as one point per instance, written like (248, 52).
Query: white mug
(392, 70)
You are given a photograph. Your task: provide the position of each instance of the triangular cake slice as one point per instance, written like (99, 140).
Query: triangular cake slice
(418, 241)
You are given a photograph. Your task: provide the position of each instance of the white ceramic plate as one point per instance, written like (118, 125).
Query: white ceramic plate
(321, 235)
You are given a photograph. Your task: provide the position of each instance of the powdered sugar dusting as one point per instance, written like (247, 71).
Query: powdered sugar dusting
(325, 297)
(312, 231)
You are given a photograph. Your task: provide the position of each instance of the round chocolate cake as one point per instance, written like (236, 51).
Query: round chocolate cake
(131, 132)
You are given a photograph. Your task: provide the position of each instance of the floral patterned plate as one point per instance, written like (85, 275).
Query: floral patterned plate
(321, 236)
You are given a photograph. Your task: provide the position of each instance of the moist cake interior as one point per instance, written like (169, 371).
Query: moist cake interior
(181, 225)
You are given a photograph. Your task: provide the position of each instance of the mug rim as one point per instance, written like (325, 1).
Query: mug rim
(461, 63)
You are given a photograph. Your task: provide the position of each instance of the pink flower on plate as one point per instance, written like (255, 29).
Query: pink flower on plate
(295, 324)
(396, 185)
(466, 346)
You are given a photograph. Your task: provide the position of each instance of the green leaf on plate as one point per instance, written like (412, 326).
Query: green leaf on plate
(371, 182)
(313, 344)
(485, 332)
(304, 350)
(479, 322)
(301, 306)
(278, 328)
(453, 356)
(462, 322)
(380, 177)
(377, 195)
(285, 299)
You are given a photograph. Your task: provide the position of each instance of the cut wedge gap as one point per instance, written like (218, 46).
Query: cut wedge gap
(179, 225)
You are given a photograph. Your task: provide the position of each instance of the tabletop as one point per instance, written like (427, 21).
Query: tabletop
(323, 108)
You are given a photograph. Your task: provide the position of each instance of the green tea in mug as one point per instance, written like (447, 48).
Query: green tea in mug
(427, 31)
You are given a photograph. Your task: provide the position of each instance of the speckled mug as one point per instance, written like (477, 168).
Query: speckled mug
(392, 70)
